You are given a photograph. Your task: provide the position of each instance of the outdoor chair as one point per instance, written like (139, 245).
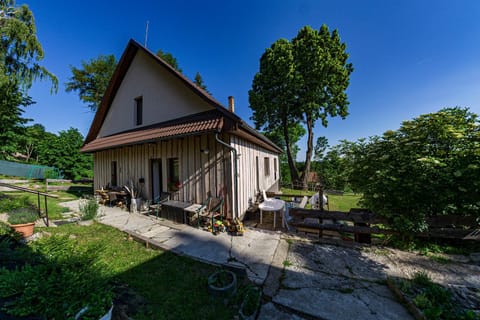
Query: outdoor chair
(156, 205)
(203, 207)
(213, 210)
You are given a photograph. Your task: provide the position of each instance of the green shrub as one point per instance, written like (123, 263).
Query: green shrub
(424, 169)
(22, 215)
(88, 209)
(9, 203)
(67, 278)
(5, 229)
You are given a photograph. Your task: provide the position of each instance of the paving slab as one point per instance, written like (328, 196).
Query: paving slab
(254, 251)
(335, 283)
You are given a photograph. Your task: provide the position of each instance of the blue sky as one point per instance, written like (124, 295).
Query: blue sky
(410, 57)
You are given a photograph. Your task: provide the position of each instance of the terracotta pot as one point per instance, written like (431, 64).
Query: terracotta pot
(26, 229)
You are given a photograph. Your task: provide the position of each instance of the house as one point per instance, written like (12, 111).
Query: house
(158, 129)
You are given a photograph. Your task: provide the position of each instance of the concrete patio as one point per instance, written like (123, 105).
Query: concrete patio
(253, 251)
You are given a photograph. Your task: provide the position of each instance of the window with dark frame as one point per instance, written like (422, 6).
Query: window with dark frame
(173, 175)
(138, 111)
(275, 168)
(267, 166)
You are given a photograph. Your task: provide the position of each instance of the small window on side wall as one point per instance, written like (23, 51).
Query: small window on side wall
(138, 110)
(173, 174)
(267, 166)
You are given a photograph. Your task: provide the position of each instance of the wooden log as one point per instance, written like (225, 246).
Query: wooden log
(358, 217)
(452, 220)
(445, 233)
(342, 228)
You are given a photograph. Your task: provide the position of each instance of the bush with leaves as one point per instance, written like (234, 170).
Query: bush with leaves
(428, 167)
(88, 209)
(66, 278)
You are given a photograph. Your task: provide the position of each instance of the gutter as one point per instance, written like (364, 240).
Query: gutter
(235, 175)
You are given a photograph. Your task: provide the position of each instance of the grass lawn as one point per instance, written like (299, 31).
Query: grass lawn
(337, 202)
(174, 287)
(54, 209)
(343, 202)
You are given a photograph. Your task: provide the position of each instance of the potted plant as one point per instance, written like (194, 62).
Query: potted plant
(251, 303)
(135, 200)
(23, 220)
(222, 283)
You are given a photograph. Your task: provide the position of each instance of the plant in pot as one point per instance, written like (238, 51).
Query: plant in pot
(222, 283)
(23, 220)
(251, 302)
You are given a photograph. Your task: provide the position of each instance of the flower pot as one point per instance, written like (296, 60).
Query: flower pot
(25, 229)
(135, 205)
(222, 284)
(250, 304)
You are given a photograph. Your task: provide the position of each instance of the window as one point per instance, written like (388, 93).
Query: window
(173, 174)
(113, 176)
(267, 166)
(275, 168)
(138, 110)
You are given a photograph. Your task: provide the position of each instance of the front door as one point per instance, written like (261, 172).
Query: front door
(156, 171)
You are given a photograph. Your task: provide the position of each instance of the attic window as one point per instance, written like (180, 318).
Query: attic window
(138, 110)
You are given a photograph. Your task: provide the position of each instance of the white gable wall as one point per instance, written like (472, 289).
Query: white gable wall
(165, 97)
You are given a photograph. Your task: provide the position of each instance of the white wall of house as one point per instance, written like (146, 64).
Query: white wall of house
(253, 178)
(165, 97)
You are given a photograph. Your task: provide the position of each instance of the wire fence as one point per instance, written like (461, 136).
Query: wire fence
(29, 171)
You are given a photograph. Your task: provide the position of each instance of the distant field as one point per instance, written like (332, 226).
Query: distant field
(337, 202)
(343, 203)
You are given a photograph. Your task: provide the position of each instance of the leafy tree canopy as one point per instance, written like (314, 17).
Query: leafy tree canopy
(92, 79)
(301, 81)
(20, 54)
(170, 59)
(20, 50)
(429, 166)
(63, 152)
(198, 80)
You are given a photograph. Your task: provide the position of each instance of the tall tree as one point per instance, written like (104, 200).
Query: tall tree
(198, 80)
(302, 80)
(63, 152)
(20, 50)
(272, 97)
(170, 59)
(31, 139)
(320, 148)
(92, 79)
(20, 54)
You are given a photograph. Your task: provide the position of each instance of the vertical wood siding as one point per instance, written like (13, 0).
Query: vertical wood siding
(199, 172)
(247, 171)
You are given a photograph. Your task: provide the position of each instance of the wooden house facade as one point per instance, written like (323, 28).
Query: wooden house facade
(157, 129)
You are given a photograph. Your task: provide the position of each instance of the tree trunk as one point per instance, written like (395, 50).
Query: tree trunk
(308, 157)
(291, 163)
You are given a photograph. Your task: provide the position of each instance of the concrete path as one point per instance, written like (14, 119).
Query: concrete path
(253, 251)
(301, 279)
(328, 282)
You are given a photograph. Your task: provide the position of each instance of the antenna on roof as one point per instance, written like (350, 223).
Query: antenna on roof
(146, 34)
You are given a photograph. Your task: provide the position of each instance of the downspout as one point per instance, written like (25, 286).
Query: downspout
(235, 175)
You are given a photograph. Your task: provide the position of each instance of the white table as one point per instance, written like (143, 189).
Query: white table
(272, 205)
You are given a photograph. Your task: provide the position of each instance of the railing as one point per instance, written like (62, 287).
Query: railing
(38, 193)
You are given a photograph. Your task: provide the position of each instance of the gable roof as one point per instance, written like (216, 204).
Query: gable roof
(194, 124)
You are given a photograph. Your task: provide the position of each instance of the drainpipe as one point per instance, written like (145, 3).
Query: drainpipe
(235, 175)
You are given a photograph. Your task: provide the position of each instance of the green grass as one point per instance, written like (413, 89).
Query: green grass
(174, 287)
(54, 209)
(337, 202)
(343, 202)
